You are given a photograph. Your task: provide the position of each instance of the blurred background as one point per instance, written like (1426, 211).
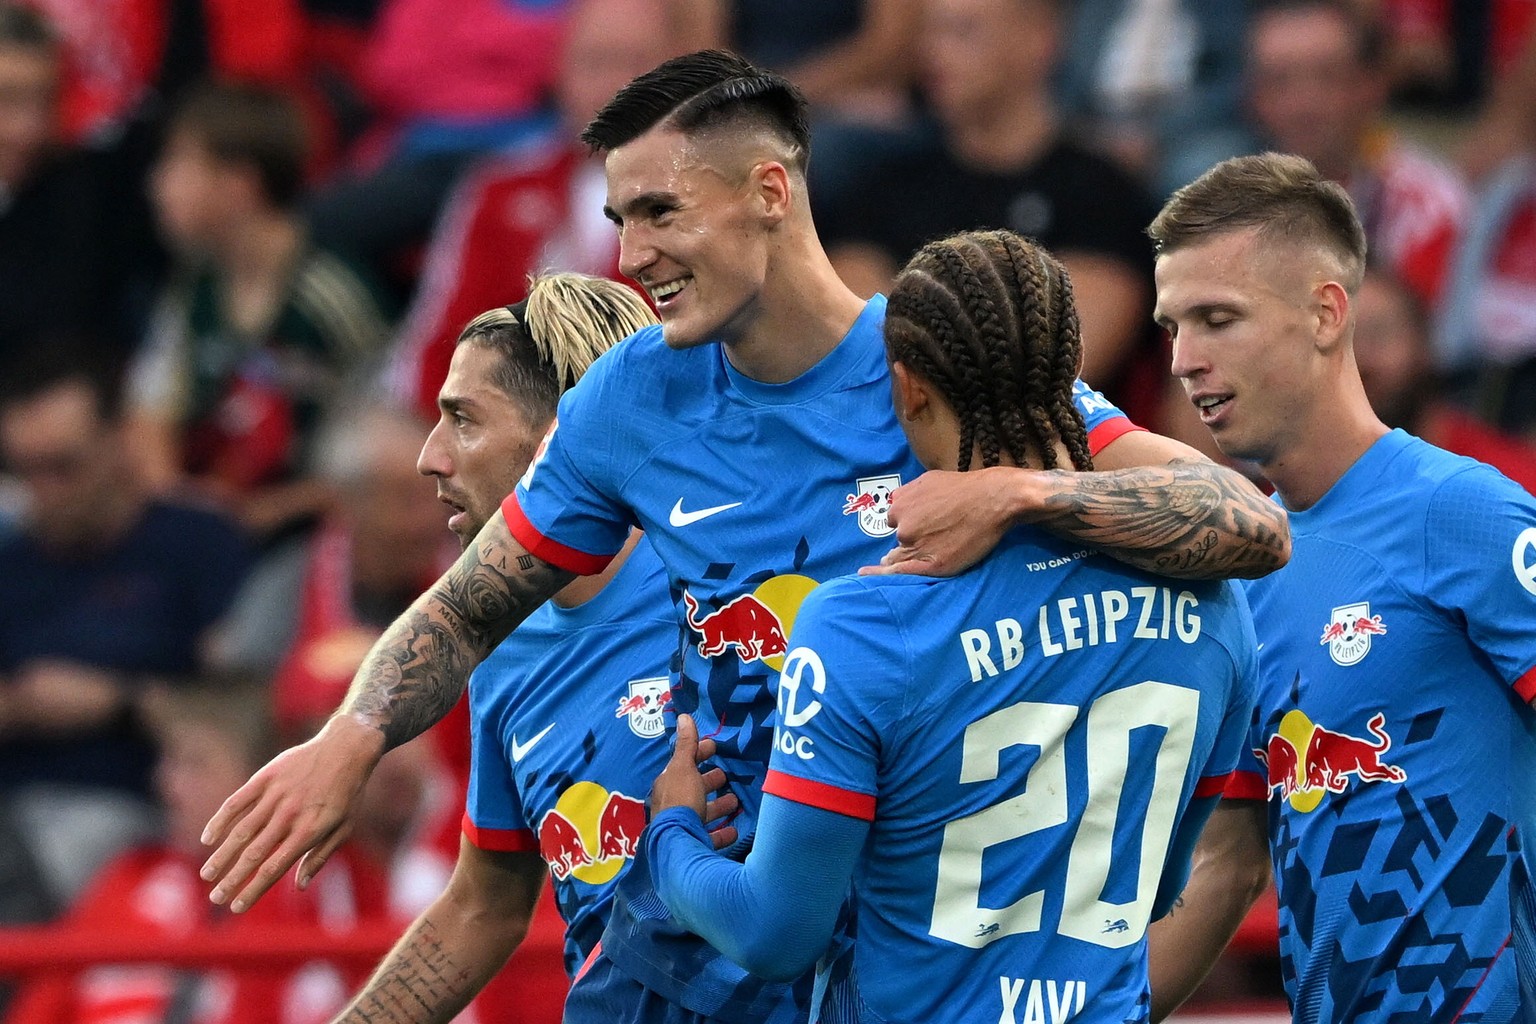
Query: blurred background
(239, 237)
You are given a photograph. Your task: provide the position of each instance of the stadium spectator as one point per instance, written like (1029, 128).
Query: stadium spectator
(103, 587)
(1397, 367)
(1318, 87)
(260, 328)
(540, 210)
(1157, 83)
(1005, 160)
(445, 81)
(74, 253)
(1387, 757)
(209, 739)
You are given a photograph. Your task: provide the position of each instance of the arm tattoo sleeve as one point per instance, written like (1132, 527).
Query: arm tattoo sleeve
(420, 666)
(1190, 519)
(419, 981)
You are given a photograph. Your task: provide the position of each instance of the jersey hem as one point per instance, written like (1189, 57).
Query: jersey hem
(552, 551)
(820, 795)
(499, 840)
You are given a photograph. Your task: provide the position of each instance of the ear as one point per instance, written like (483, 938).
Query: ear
(912, 396)
(770, 182)
(1332, 315)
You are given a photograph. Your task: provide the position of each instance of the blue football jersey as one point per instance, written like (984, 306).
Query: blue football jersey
(1026, 740)
(752, 494)
(567, 736)
(1394, 743)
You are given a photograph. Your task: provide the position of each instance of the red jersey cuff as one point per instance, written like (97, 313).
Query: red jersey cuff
(1242, 785)
(819, 794)
(551, 551)
(1110, 430)
(499, 840)
(1213, 785)
(1525, 686)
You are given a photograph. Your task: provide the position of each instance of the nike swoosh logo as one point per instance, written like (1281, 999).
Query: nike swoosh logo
(679, 518)
(1259, 647)
(520, 750)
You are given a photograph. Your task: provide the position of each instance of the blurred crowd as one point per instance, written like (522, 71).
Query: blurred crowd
(239, 237)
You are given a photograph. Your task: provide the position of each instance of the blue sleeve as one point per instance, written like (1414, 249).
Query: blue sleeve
(566, 508)
(832, 709)
(1102, 418)
(1480, 568)
(1176, 870)
(493, 813)
(775, 913)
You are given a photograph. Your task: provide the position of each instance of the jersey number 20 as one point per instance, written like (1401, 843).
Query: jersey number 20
(958, 915)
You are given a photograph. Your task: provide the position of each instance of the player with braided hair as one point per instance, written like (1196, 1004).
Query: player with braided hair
(989, 884)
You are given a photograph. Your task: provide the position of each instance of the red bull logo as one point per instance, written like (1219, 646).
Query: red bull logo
(644, 706)
(1304, 760)
(591, 834)
(744, 623)
(1348, 633)
(862, 502)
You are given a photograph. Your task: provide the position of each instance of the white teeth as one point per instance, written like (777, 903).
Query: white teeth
(666, 291)
(1209, 400)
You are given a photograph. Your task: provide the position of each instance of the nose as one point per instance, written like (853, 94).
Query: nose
(1188, 357)
(434, 460)
(636, 251)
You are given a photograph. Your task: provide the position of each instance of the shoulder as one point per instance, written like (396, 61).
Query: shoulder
(190, 524)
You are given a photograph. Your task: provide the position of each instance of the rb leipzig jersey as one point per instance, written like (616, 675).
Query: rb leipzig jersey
(1026, 740)
(567, 735)
(752, 494)
(1395, 744)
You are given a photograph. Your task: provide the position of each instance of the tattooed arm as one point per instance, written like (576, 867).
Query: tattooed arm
(1153, 503)
(301, 803)
(457, 944)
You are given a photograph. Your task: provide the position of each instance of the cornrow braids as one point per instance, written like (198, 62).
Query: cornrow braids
(988, 319)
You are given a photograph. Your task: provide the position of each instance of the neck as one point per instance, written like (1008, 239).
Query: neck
(1006, 135)
(264, 248)
(584, 588)
(1336, 431)
(803, 312)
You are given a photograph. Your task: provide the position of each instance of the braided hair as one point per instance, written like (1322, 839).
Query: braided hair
(987, 318)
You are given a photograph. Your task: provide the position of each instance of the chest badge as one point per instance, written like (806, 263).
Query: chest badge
(647, 699)
(1349, 631)
(871, 502)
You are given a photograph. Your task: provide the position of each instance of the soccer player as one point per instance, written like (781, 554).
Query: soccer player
(1011, 766)
(752, 437)
(1392, 747)
(566, 714)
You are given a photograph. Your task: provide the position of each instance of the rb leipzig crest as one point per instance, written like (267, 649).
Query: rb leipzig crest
(647, 699)
(871, 502)
(1348, 633)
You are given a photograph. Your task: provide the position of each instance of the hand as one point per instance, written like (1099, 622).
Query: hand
(300, 805)
(682, 784)
(946, 522)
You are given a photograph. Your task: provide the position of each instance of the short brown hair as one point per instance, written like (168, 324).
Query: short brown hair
(1283, 196)
(251, 125)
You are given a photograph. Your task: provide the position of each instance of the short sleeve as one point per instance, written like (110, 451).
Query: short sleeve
(1104, 420)
(565, 509)
(1480, 568)
(493, 814)
(827, 738)
(1231, 755)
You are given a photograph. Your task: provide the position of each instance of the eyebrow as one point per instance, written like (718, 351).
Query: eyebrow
(642, 200)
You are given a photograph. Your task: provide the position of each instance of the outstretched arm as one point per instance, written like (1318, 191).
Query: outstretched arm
(1229, 870)
(457, 944)
(1153, 503)
(300, 804)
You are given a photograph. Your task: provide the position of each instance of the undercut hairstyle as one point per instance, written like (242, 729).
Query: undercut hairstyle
(1283, 196)
(988, 319)
(702, 92)
(252, 126)
(1370, 34)
(547, 341)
